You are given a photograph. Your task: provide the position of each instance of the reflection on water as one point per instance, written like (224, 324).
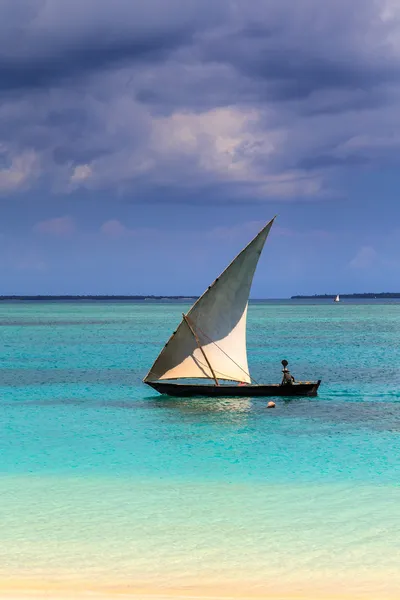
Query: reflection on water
(205, 410)
(240, 405)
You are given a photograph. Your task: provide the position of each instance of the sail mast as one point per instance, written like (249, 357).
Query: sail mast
(200, 347)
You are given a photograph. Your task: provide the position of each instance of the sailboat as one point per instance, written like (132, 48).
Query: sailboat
(337, 299)
(210, 341)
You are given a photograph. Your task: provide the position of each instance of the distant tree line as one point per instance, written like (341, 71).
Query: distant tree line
(366, 295)
(71, 297)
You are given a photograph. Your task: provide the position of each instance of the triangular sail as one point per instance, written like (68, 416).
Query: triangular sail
(218, 319)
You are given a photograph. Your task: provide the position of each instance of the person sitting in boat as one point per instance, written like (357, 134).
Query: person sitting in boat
(287, 378)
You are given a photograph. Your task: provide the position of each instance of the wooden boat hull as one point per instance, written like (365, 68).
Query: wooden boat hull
(308, 388)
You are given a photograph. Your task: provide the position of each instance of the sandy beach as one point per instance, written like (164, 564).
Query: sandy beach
(382, 586)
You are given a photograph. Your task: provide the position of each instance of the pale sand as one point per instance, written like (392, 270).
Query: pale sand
(375, 588)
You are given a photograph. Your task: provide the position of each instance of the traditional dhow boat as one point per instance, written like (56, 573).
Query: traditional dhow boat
(210, 341)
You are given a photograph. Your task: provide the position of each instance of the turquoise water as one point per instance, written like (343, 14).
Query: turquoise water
(99, 475)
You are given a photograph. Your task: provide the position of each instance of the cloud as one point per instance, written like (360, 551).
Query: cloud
(223, 145)
(241, 100)
(114, 229)
(20, 170)
(60, 39)
(230, 144)
(365, 258)
(58, 227)
(81, 173)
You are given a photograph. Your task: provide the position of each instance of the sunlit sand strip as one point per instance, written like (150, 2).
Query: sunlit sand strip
(381, 586)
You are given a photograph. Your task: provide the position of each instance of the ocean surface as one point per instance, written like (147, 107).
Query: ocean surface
(102, 480)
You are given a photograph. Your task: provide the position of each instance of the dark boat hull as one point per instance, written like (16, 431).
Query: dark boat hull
(308, 388)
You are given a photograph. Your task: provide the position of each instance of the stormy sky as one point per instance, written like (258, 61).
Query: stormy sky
(143, 143)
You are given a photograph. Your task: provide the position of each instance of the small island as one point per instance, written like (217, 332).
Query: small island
(368, 295)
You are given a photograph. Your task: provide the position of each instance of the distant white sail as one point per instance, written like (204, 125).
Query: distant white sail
(337, 299)
(218, 319)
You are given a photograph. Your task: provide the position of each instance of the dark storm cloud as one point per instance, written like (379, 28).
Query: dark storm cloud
(295, 49)
(286, 50)
(43, 42)
(38, 72)
(263, 98)
(324, 161)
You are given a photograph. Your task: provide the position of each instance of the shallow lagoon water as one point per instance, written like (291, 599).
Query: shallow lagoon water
(103, 479)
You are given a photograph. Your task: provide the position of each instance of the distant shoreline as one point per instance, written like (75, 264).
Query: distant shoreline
(332, 296)
(136, 298)
(71, 297)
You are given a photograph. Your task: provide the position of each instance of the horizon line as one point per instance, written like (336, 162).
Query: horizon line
(38, 297)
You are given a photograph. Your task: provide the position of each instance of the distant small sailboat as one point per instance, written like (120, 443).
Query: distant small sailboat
(337, 299)
(210, 341)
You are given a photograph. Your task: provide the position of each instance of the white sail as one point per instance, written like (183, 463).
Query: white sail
(218, 319)
(337, 299)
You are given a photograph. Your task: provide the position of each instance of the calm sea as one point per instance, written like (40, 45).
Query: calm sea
(103, 479)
